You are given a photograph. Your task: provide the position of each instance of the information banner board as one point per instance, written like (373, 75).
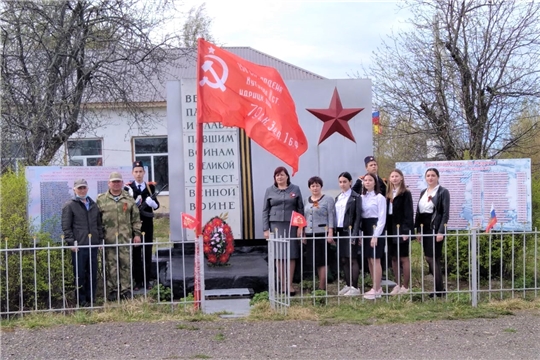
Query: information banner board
(475, 186)
(52, 186)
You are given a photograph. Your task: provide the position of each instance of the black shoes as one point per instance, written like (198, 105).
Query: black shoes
(438, 294)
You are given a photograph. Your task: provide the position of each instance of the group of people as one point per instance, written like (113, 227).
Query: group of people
(118, 218)
(364, 219)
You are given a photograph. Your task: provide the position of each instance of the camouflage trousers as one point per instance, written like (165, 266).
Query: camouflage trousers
(118, 270)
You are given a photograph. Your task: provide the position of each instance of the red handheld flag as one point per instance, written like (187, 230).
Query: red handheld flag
(239, 93)
(188, 221)
(298, 219)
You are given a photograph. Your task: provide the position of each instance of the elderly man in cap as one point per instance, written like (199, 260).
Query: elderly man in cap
(122, 226)
(371, 168)
(144, 195)
(81, 225)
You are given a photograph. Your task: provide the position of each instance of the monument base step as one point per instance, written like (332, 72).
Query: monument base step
(223, 294)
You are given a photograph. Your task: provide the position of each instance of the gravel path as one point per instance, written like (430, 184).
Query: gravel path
(514, 336)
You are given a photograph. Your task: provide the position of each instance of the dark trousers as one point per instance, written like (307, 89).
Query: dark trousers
(85, 272)
(142, 255)
(432, 252)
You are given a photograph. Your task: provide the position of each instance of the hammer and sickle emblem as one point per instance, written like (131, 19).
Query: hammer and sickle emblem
(219, 82)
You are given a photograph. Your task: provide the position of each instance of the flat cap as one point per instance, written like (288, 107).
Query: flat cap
(79, 183)
(115, 176)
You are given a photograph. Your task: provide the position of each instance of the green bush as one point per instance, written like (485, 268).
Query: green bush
(319, 297)
(160, 292)
(259, 297)
(490, 265)
(535, 190)
(33, 278)
(189, 298)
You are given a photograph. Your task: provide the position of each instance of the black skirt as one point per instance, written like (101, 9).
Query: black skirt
(316, 249)
(367, 232)
(397, 247)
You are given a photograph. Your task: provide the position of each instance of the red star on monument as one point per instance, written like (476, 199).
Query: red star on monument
(335, 118)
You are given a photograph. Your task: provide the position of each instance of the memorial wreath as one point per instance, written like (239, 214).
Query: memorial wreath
(218, 240)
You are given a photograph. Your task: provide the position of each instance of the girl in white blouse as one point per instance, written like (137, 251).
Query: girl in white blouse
(373, 222)
(347, 224)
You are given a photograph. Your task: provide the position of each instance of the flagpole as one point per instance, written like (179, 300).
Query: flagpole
(198, 189)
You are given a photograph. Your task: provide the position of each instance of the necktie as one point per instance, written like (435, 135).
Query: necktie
(140, 188)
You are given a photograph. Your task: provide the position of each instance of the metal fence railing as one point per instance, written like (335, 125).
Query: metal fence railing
(474, 266)
(44, 277)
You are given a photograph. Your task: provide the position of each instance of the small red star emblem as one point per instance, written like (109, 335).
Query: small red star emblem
(335, 118)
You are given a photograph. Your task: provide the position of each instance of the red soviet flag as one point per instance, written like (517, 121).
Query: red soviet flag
(298, 219)
(236, 92)
(189, 222)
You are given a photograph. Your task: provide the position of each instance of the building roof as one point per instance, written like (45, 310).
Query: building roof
(287, 71)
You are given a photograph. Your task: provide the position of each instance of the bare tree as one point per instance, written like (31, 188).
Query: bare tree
(529, 117)
(460, 74)
(62, 60)
(395, 144)
(196, 25)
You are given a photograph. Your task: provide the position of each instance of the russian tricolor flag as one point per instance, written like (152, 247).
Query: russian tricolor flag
(375, 121)
(492, 219)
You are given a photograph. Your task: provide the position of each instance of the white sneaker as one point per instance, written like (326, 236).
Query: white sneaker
(404, 290)
(396, 290)
(353, 292)
(370, 295)
(379, 293)
(344, 290)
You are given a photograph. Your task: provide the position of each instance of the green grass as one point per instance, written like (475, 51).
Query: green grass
(356, 311)
(219, 337)
(136, 310)
(350, 310)
(162, 232)
(186, 327)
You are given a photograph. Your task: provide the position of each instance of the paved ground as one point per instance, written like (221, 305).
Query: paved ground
(507, 337)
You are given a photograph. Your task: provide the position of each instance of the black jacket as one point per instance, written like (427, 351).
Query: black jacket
(353, 213)
(441, 212)
(77, 222)
(402, 213)
(145, 211)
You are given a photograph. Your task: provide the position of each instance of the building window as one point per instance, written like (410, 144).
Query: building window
(153, 152)
(12, 155)
(85, 152)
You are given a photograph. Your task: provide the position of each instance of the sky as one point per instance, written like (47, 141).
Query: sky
(334, 39)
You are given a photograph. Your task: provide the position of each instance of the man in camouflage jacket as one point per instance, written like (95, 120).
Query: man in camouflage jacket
(121, 225)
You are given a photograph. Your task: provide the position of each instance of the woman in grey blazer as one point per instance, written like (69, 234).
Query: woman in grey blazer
(319, 212)
(280, 200)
